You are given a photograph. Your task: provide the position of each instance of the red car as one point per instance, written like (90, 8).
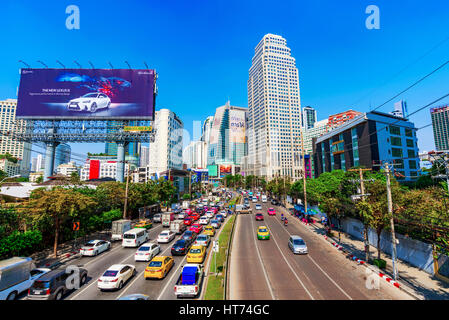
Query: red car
(188, 221)
(271, 212)
(197, 228)
(195, 216)
(259, 216)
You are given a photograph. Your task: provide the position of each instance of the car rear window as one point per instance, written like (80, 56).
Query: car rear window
(201, 238)
(144, 249)
(298, 242)
(110, 273)
(263, 230)
(195, 250)
(155, 264)
(41, 284)
(214, 221)
(89, 245)
(129, 236)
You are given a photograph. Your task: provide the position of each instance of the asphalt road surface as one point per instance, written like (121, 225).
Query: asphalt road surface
(268, 269)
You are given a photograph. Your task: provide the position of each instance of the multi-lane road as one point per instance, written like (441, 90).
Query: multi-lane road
(268, 269)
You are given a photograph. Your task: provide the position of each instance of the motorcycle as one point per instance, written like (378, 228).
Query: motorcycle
(285, 222)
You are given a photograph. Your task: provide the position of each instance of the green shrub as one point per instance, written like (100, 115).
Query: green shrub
(20, 243)
(380, 263)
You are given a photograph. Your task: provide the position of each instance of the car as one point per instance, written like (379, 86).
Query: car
(195, 216)
(297, 245)
(209, 230)
(259, 216)
(181, 216)
(116, 276)
(271, 212)
(157, 218)
(224, 213)
(189, 235)
(196, 254)
(166, 236)
(147, 251)
(263, 233)
(90, 102)
(219, 217)
(203, 240)
(258, 206)
(135, 296)
(215, 223)
(204, 220)
(196, 227)
(274, 202)
(254, 199)
(146, 224)
(95, 247)
(53, 285)
(158, 267)
(188, 221)
(181, 247)
(210, 214)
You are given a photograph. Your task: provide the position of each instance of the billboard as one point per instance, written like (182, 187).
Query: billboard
(212, 170)
(215, 131)
(225, 170)
(86, 94)
(237, 126)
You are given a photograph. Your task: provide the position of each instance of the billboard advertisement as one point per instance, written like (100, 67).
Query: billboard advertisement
(237, 126)
(212, 170)
(225, 170)
(215, 131)
(86, 94)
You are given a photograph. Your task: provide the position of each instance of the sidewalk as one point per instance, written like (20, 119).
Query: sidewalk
(419, 283)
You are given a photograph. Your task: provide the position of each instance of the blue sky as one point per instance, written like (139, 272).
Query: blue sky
(202, 50)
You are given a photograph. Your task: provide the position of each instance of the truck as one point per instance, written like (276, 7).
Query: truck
(240, 208)
(17, 275)
(190, 281)
(177, 226)
(167, 218)
(119, 227)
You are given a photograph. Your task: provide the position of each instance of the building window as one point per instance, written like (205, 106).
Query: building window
(396, 152)
(396, 141)
(410, 143)
(411, 153)
(408, 132)
(395, 130)
(412, 164)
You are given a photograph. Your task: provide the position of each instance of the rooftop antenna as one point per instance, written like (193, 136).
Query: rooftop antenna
(25, 63)
(60, 63)
(146, 65)
(112, 67)
(78, 64)
(128, 64)
(42, 63)
(91, 64)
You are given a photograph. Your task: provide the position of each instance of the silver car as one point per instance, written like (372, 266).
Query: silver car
(297, 245)
(202, 240)
(157, 217)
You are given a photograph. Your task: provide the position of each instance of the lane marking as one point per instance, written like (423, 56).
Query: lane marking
(171, 278)
(260, 259)
(308, 255)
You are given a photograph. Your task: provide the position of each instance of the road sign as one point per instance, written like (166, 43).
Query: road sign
(216, 247)
(76, 226)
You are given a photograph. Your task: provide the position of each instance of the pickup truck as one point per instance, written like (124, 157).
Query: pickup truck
(240, 208)
(190, 281)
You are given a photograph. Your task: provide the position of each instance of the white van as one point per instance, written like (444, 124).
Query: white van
(264, 198)
(135, 237)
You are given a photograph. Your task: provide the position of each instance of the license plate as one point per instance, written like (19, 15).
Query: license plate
(106, 281)
(37, 291)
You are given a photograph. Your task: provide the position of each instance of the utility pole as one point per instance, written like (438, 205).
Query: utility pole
(303, 167)
(390, 211)
(190, 184)
(126, 193)
(362, 190)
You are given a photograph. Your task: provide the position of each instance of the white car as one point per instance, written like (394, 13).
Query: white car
(90, 102)
(224, 213)
(210, 214)
(181, 216)
(165, 236)
(204, 220)
(147, 251)
(94, 247)
(116, 276)
(157, 218)
(202, 240)
(258, 206)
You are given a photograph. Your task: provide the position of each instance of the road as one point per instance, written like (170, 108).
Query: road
(268, 270)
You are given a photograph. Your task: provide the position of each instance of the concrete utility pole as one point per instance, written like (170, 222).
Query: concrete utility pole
(390, 211)
(303, 167)
(126, 193)
(190, 184)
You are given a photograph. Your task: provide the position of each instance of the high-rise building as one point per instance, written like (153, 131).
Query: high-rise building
(400, 109)
(309, 117)
(166, 150)
(274, 110)
(62, 154)
(440, 124)
(194, 155)
(367, 139)
(228, 136)
(111, 147)
(33, 164)
(144, 156)
(40, 163)
(18, 149)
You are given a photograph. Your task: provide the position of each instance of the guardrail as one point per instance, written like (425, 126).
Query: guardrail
(228, 255)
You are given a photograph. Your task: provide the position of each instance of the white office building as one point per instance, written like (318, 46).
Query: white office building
(166, 150)
(194, 155)
(144, 156)
(274, 115)
(67, 169)
(9, 144)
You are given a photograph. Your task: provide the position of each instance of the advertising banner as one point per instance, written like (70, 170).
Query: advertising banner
(212, 170)
(225, 170)
(86, 94)
(215, 131)
(236, 126)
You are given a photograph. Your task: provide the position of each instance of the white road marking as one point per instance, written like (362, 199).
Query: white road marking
(311, 259)
(261, 262)
(171, 278)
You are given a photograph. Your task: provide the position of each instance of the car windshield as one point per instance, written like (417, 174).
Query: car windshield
(262, 230)
(299, 242)
(144, 249)
(195, 250)
(155, 264)
(41, 284)
(110, 273)
(180, 243)
(90, 95)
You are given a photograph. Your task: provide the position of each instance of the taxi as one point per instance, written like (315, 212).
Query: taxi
(144, 224)
(158, 267)
(209, 230)
(263, 233)
(196, 254)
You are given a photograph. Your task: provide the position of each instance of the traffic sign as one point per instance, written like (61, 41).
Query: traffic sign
(76, 226)
(216, 247)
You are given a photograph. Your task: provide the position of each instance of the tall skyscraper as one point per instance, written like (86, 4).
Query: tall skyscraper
(227, 137)
(440, 125)
(111, 147)
(8, 143)
(274, 117)
(309, 115)
(62, 154)
(166, 150)
(400, 109)
(144, 156)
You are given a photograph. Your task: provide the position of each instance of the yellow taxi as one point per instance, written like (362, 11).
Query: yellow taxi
(158, 267)
(147, 224)
(263, 233)
(209, 230)
(196, 254)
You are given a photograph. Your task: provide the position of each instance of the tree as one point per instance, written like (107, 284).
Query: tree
(40, 179)
(57, 206)
(110, 195)
(75, 178)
